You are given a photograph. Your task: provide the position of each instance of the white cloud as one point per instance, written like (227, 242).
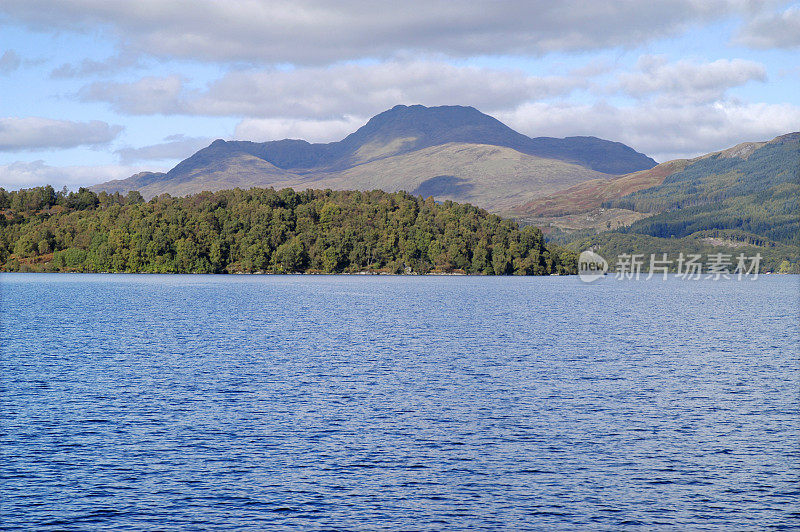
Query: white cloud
(680, 108)
(173, 147)
(265, 129)
(675, 108)
(687, 80)
(332, 92)
(22, 174)
(35, 133)
(321, 32)
(662, 132)
(774, 30)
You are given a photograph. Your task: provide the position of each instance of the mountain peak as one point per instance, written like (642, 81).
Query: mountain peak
(400, 132)
(406, 128)
(412, 127)
(424, 118)
(430, 126)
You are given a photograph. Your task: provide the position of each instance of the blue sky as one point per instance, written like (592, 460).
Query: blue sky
(92, 90)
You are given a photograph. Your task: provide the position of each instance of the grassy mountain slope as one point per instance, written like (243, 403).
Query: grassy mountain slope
(593, 194)
(775, 256)
(490, 176)
(421, 127)
(478, 173)
(408, 128)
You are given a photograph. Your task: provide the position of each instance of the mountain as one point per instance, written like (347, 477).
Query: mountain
(754, 188)
(747, 195)
(451, 152)
(592, 194)
(753, 173)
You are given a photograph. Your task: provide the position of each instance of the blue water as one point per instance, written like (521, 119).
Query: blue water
(401, 403)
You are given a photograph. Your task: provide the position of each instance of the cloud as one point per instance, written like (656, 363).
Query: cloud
(332, 92)
(89, 67)
(687, 80)
(9, 62)
(174, 147)
(321, 32)
(149, 95)
(679, 109)
(593, 69)
(661, 131)
(35, 133)
(774, 30)
(264, 129)
(22, 174)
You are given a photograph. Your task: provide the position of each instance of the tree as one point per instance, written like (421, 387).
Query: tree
(290, 256)
(262, 230)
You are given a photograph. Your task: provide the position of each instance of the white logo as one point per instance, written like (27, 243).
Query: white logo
(591, 266)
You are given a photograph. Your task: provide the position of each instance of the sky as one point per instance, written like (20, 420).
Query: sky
(92, 90)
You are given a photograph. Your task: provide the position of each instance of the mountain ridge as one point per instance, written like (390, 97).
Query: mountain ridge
(397, 132)
(594, 194)
(429, 126)
(743, 199)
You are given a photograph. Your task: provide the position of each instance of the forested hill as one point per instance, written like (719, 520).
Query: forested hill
(756, 191)
(263, 230)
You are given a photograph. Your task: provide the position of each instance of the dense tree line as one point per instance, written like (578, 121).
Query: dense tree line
(775, 218)
(775, 257)
(263, 230)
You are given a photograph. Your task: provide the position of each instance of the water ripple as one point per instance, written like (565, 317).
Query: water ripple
(246, 403)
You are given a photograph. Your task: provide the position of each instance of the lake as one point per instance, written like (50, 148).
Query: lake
(188, 402)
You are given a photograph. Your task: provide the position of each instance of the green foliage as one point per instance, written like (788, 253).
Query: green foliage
(718, 204)
(758, 195)
(263, 230)
(775, 257)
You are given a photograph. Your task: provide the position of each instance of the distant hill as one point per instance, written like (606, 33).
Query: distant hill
(778, 158)
(450, 152)
(753, 188)
(747, 195)
(592, 194)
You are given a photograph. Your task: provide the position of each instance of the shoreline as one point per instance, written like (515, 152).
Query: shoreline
(348, 274)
